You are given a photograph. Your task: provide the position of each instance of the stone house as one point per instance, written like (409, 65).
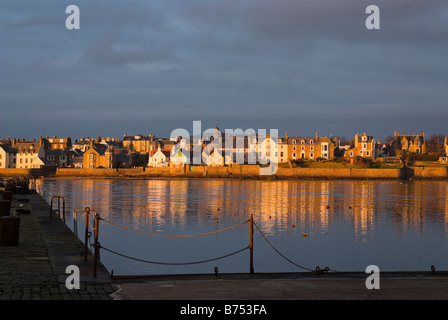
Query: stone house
(311, 148)
(99, 156)
(140, 143)
(363, 146)
(403, 143)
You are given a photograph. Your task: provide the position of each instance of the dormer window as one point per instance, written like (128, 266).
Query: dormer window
(302, 142)
(364, 138)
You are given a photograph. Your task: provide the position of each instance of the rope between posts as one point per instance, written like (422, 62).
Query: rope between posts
(175, 236)
(174, 263)
(272, 246)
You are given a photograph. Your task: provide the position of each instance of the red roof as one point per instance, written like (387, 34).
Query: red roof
(166, 152)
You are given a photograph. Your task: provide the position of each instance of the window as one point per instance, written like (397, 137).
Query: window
(351, 153)
(303, 148)
(312, 148)
(294, 148)
(294, 155)
(302, 142)
(364, 138)
(281, 154)
(360, 153)
(90, 156)
(368, 153)
(312, 142)
(294, 141)
(364, 145)
(311, 155)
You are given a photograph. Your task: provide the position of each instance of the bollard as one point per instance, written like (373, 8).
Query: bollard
(7, 195)
(5, 208)
(9, 231)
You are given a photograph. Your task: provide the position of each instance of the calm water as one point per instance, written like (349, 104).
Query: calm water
(345, 225)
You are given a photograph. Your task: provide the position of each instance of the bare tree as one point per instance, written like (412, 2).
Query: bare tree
(435, 143)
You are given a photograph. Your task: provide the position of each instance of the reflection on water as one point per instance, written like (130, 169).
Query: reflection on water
(345, 225)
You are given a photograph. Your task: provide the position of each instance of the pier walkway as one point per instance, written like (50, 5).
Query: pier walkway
(35, 269)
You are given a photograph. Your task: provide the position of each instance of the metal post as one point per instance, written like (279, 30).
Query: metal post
(251, 244)
(86, 236)
(95, 256)
(59, 206)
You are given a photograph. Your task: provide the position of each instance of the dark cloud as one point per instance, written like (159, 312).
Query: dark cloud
(152, 66)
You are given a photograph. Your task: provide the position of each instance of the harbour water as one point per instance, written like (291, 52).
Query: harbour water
(343, 225)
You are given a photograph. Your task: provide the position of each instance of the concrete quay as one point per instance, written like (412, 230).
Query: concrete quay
(35, 269)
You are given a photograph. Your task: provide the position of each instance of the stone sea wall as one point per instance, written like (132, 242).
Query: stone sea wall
(236, 172)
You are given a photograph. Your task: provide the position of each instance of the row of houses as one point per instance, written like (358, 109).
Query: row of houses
(255, 149)
(21, 154)
(216, 149)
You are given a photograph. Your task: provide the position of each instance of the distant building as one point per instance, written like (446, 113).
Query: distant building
(215, 159)
(140, 143)
(177, 158)
(30, 154)
(59, 143)
(58, 157)
(363, 146)
(123, 158)
(159, 158)
(311, 148)
(445, 145)
(403, 143)
(282, 147)
(7, 156)
(98, 156)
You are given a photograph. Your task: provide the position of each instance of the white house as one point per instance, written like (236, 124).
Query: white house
(178, 158)
(7, 157)
(159, 158)
(215, 159)
(29, 158)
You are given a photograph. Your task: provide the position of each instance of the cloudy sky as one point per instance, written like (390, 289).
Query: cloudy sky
(152, 66)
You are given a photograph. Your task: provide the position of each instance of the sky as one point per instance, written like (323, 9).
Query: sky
(152, 66)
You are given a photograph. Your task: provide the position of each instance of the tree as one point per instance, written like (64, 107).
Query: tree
(435, 143)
